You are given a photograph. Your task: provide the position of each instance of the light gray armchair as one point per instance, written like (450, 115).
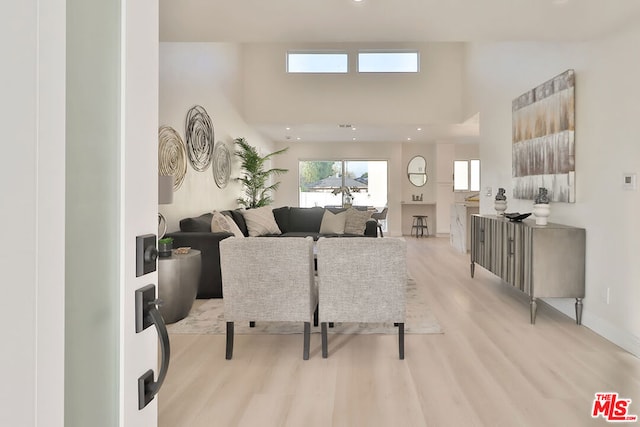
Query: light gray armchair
(362, 280)
(268, 279)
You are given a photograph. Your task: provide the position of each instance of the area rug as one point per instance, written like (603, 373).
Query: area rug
(207, 317)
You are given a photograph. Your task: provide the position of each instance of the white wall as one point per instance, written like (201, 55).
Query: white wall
(434, 95)
(607, 135)
(210, 75)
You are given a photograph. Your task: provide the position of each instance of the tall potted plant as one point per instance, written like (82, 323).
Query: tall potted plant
(255, 177)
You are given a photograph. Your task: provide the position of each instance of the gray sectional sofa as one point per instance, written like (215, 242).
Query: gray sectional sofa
(292, 221)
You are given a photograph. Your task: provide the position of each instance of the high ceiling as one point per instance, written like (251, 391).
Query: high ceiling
(312, 21)
(392, 20)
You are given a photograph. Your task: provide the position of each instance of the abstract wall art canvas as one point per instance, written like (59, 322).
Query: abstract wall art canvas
(544, 140)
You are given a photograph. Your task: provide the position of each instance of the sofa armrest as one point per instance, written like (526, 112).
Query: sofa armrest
(208, 244)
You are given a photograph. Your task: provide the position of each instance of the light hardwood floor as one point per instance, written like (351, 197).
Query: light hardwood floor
(489, 368)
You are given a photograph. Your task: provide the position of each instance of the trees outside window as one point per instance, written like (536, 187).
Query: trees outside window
(324, 182)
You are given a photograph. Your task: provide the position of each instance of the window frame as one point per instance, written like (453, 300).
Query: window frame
(472, 168)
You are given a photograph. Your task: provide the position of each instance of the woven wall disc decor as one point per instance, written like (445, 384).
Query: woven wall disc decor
(198, 131)
(172, 156)
(221, 164)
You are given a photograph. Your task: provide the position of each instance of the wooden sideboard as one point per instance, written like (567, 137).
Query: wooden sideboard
(543, 261)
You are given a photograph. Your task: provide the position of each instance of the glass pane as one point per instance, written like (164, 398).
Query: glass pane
(388, 62)
(368, 181)
(318, 178)
(317, 63)
(460, 175)
(475, 175)
(92, 298)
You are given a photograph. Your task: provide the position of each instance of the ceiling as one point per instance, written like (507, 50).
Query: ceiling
(330, 21)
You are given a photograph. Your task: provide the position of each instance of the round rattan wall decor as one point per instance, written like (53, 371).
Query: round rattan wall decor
(199, 136)
(172, 157)
(221, 164)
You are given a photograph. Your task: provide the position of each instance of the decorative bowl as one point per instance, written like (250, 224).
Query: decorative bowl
(516, 216)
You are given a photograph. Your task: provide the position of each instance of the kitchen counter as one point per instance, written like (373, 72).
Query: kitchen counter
(460, 233)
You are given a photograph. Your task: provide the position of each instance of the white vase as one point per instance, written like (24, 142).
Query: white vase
(500, 206)
(541, 211)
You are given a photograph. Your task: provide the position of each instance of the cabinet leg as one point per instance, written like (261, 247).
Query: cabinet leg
(579, 311)
(473, 269)
(534, 308)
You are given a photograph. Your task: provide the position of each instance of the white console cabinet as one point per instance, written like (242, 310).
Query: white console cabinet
(543, 261)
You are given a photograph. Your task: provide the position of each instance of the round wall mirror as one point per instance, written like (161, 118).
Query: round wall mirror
(417, 171)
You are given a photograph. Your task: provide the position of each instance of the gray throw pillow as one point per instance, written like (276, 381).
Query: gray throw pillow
(356, 221)
(222, 223)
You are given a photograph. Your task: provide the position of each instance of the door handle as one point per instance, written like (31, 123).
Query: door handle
(147, 387)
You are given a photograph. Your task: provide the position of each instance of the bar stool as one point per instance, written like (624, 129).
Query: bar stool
(420, 224)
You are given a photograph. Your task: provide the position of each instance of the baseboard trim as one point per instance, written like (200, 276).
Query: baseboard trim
(604, 328)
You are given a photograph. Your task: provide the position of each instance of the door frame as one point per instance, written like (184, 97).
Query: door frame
(33, 258)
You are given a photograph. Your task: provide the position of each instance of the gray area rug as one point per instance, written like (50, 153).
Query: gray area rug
(207, 317)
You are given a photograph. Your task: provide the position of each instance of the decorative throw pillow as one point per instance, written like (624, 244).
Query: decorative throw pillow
(200, 223)
(356, 221)
(333, 223)
(260, 221)
(234, 227)
(219, 224)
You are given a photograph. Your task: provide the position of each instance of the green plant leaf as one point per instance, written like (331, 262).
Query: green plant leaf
(254, 179)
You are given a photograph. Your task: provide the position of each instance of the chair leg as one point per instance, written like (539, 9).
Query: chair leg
(401, 340)
(380, 228)
(325, 352)
(307, 340)
(229, 354)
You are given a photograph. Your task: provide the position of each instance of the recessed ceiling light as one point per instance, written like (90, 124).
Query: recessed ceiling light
(288, 128)
(353, 128)
(408, 139)
(298, 138)
(419, 128)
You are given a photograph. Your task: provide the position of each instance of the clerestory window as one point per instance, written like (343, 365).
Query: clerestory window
(388, 62)
(317, 62)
